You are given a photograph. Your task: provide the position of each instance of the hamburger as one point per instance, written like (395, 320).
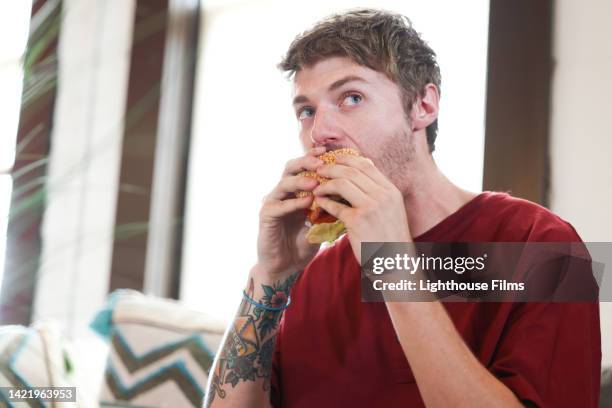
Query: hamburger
(323, 227)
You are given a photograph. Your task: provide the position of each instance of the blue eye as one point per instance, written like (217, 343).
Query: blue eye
(305, 113)
(352, 99)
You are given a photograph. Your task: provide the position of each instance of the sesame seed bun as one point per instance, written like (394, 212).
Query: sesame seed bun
(323, 226)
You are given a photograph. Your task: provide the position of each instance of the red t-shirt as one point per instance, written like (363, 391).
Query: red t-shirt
(333, 350)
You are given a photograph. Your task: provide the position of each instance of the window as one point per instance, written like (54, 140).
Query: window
(14, 24)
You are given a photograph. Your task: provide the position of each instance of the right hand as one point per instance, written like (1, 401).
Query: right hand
(282, 248)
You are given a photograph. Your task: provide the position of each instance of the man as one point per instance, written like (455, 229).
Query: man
(366, 80)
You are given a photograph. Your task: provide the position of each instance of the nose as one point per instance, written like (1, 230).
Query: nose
(325, 129)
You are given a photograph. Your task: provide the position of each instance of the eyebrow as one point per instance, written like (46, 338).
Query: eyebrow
(350, 78)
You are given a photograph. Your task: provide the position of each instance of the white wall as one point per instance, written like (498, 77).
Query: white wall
(581, 127)
(78, 224)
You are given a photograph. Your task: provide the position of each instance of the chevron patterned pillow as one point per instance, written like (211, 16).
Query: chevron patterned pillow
(160, 352)
(34, 357)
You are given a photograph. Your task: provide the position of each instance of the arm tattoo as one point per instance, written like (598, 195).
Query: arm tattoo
(248, 349)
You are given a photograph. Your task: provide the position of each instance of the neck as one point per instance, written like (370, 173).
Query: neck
(432, 196)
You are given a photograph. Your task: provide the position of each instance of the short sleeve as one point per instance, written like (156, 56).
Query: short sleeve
(550, 354)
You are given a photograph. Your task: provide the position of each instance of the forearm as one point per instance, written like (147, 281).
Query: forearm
(446, 371)
(242, 371)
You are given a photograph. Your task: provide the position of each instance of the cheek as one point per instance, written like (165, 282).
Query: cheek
(305, 140)
(374, 131)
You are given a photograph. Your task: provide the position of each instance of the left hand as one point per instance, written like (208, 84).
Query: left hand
(377, 212)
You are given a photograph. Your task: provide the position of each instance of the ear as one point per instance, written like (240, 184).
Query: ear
(425, 108)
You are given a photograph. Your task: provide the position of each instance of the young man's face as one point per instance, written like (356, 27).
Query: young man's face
(339, 103)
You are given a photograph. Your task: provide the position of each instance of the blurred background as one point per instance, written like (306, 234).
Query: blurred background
(138, 137)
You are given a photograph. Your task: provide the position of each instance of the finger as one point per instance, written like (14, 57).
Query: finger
(366, 166)
(290, 185)
(278, 209)
(334, 208)
(316, 151)
(353, 174)
(345, 189)
(304, 163)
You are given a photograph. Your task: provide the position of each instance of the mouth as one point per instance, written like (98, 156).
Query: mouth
(330, 147)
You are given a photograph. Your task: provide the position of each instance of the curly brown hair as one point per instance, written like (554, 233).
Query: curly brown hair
(377, 39)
